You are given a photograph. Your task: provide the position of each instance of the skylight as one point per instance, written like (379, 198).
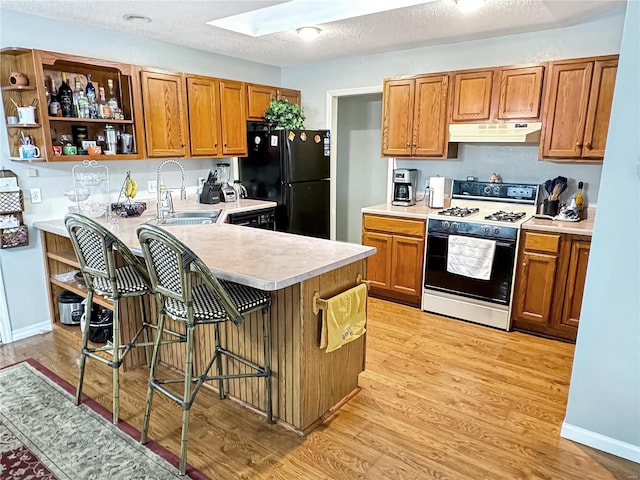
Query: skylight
(301, 13)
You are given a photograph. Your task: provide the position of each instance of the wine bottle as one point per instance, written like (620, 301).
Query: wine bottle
(103, 107)
(113, 103)
(91, 97)
(66, 97)
(54, 105)
(81, 101)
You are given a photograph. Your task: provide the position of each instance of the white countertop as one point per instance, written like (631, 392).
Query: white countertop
(419, 210)
(583, 227)
(262, 259)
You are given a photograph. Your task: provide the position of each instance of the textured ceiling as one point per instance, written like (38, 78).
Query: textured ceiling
(438, 22)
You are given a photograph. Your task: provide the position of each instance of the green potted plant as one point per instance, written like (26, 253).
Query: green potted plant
(283, 114)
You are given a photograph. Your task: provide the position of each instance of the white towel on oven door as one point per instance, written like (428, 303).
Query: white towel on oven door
(471, 257)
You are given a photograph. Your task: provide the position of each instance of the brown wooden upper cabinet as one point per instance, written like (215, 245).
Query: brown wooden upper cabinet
(520, 93)
(293, 96)
(472, 96)
(579, 94)
(165, 115)
(258, 99)
(204, 116)
(260, 96)
(414, 117)
(497, 94)
(233, 113)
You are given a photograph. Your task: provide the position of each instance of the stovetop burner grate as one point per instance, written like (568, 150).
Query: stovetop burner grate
(502, 216)
(458, 212)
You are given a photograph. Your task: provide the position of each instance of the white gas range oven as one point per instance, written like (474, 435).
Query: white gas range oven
(471, 250)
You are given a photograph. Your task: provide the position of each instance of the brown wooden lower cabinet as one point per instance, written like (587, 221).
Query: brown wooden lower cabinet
(395, 271)
(549, 285)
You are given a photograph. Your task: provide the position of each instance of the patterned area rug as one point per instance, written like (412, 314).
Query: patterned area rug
(43, 435)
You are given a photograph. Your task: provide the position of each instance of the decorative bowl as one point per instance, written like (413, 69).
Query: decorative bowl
(134, 209)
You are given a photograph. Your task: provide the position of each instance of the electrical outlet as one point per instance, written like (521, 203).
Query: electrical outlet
(36, 195)
(151, 186)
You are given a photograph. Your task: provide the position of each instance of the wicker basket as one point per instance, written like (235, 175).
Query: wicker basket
(14, 237)
(11, 202)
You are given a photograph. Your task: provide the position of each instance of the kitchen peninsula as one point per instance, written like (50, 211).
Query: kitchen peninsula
(308, 384)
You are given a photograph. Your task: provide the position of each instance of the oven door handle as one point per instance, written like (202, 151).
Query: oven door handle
(499, 243)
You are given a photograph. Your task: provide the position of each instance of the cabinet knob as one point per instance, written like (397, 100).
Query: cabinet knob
(408, 144)
(578, 144)
(589, 146)
(414, 144)
(225, 144)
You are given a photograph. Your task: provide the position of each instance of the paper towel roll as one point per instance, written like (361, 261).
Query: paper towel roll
(438, 191)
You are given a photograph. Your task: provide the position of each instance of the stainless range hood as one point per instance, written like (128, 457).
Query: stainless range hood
(495, 132)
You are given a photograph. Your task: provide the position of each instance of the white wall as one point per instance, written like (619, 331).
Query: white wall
(599, 36)
(604, 398)
(22, 268)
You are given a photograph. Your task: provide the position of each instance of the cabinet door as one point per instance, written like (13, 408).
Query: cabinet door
(576, 275)
(379, 264)
(430, 119)
(165, 116)
(599, 111)
(406, 265)
(234, 125)
(397, 117)
(258, 99)
(472, 96)
(204, 116)
(566, 108)
(293, 96)
(534, 288)
(520, 93)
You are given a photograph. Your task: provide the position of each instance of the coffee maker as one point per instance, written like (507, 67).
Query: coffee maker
(405, 182)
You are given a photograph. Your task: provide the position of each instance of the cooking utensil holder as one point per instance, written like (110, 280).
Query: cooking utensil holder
(550, 207)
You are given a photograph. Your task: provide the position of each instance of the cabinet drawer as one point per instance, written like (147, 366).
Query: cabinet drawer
(397, 225)
(541, 242)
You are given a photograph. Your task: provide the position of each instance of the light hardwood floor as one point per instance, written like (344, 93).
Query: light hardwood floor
(440, 399)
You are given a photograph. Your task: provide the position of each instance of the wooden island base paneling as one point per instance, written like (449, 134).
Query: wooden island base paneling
(307, 382)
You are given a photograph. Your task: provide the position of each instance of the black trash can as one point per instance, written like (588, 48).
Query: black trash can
(101, 326)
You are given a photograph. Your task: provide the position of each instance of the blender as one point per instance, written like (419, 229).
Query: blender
(228, 194)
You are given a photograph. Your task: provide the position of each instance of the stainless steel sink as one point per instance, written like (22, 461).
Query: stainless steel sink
(189, 217)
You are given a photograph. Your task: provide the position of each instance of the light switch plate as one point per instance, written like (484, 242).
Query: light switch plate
(151, 186)
(36, 195)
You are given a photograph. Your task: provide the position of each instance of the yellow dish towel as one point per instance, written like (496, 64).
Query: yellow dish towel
(345, 318)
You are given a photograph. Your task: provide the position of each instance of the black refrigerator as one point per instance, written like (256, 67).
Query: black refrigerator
(290, 167)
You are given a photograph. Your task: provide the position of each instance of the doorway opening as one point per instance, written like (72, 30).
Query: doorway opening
(361, 175)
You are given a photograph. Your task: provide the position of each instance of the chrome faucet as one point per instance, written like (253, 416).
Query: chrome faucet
(164, 204)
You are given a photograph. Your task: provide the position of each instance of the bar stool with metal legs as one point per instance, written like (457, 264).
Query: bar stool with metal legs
(187, 292)
(95, 248)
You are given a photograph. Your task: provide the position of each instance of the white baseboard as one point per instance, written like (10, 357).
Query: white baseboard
(38, 328)
(601, 442)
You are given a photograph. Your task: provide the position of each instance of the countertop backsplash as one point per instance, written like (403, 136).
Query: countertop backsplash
(514, 163)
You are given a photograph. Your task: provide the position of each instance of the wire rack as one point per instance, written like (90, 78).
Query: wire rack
(91, 188)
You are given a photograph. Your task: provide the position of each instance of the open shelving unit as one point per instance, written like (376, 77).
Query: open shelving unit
(60, 258)
(39, 67)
